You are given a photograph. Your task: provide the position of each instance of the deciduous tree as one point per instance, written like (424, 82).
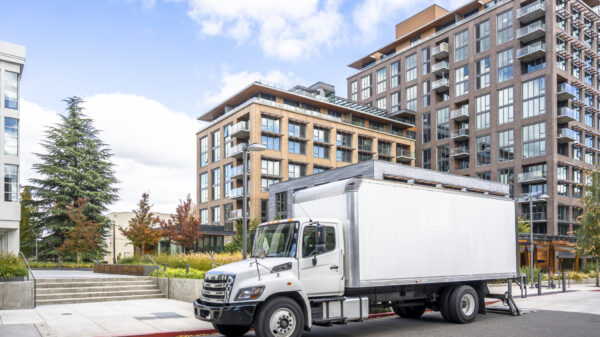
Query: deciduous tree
(144, 228)
(85, 236)
(184, 226)
(588, 235)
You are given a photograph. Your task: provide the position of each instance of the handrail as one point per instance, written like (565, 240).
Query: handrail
(33, 276)
(162, 271)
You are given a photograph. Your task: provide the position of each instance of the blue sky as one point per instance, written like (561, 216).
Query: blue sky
(184, 56)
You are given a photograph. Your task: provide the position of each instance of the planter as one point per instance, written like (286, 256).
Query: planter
(13, 279)
(16, 295)
(124, 269)
(187, 290)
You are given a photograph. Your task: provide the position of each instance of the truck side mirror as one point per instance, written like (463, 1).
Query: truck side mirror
(321, 239)
(252, 236)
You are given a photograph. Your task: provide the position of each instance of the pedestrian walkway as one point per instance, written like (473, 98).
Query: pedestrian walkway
(118, 318)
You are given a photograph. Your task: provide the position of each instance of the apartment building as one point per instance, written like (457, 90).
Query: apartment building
(305, 131)
(505, 91)
(12, 59)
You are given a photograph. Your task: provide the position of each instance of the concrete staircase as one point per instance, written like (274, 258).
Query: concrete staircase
(86, 290)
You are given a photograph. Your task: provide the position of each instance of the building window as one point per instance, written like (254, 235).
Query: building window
(317, 169)
(560, 44)
(561, 63)
(270, 167)
(344, 139)
(561, 22)
(484, 175)
(482, 34)
(395, 74)
(320, 151)
(354, 91)
(296, 170)
(427, 159)
(296, 147)
(335, 115)
(204, 187)
(297, 130)
(562, 173)
(534, 94)
(320, 135)
(269, 124)
(266, 182)
(11, 136)
(343, 155)
(577, 153)
(534, 140)
(505, 65)
(563, 190)
(204, 216)
(365, 85)
(395, 101)
(506, 145)
(577, 176)
(381, 80)
(382, 103)
(363, 156)
(11, 183)
(589, 157)
(264, 210)
(216, 146)
(507, 176)
(461, 80)
(11, 90)
(426, 61)
(483, 73)
(484, 151)
(271, 142)
(281, 205)
(461, 46)
(426, 93)
(426, 128)
(577, 191)
(203, 151)
(443, 126)
(376, 126)
(535, 65)
(228, 179)
(504, 24)
(384, 148)
(216, 215)
(443, 158)
(505, 105)
(411, 67)
(482, 112)
(216, 184)
(227, 209)
(411, 98)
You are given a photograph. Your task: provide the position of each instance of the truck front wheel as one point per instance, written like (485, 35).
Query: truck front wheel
(231, 330)
(279, 317)
(409, 312)
(463, 304)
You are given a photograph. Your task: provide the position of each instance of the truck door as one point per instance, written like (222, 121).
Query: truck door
(321, 274)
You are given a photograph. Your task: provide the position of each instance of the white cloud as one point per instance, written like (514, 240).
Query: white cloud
(153, 146)
(285, 29)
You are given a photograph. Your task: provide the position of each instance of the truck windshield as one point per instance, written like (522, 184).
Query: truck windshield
(277, 240)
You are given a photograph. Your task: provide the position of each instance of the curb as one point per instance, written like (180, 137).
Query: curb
(213, 331)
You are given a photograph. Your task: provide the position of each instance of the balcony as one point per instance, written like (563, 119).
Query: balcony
(531, 12)
(461, 114)
(565, 91)
(237, 193)
(402, 113)
(460, 134)
(404, 156)
(532, 51)
(240, 130)
(236, 151)
(441, 85)
(440, 68)
(236, 214)
(565, 115)
(237, 172)
(440, 51)
(460, 152)
(537, 216)
(566, 135)
(532, 177)
(531, 32)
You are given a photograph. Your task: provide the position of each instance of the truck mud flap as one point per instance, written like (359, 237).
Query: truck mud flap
(509, 303)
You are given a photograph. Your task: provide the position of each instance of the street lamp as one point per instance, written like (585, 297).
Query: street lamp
(531, 197)
(255, 147)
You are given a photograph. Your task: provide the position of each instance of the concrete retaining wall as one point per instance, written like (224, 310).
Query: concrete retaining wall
(16, 295)
(187, 290)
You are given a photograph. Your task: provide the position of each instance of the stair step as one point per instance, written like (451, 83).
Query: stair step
(94, 289)
(97, 299)
(93, 284)
(98, 294)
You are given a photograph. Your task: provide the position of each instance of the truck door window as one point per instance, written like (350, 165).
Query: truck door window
(309, 241)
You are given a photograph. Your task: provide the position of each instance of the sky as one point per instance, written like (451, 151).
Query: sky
(148, 68)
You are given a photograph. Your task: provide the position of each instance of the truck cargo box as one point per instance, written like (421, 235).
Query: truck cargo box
(399, 233)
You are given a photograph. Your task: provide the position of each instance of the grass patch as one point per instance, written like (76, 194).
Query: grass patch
(11, 266)
(180, 273)
(53, 264)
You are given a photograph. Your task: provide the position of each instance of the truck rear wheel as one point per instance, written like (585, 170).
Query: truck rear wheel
(443, 304)
(463, 304)
(231, 330)
(279, 317)
(415, 311)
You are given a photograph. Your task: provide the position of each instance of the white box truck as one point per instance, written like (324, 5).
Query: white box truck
(359, 243)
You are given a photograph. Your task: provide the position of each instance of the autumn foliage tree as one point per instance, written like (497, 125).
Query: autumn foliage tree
(144, 227)
(85, 236)
(588, 235)
(184, 226)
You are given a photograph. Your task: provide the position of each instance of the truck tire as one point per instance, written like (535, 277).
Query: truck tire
(463, 304)
(443, 304)
(415, 311)
(231, 330)
(279, 317)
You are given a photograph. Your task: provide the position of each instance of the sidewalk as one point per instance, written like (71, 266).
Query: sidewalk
(119, 318)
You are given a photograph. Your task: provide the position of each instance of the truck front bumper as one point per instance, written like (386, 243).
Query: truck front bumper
(240, 314)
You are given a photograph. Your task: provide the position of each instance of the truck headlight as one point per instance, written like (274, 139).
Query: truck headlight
(251, 293)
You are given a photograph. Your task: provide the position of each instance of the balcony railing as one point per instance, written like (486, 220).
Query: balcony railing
(460, 114)
(440, 51)
(460, 151)
(460, 133)
(240, 130)
(404, 155)
(537, 216)
(565, 91)
(565, 115)
(236, 151)
(237, 193)
(440, 68)
(236, 214)
(532, 31)
(566, 135)
(237, 171)
(532, 51)
(441, 85)
(531, 12)
(532, 176)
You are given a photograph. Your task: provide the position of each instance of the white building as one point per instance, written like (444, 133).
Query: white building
(12, 59)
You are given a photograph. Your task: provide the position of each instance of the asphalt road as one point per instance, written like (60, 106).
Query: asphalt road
(539, 323)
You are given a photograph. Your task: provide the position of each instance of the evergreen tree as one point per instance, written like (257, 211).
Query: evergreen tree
(144, 228)
(84, 237)
(76, 164)
(27, 230)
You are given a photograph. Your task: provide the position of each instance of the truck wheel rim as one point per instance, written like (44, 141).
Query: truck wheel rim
(282, 323)
(467, 304)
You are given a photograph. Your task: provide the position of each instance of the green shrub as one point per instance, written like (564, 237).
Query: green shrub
(53, 264)
(536, 271)
(578, 276)
(180, 273)
(12, 266)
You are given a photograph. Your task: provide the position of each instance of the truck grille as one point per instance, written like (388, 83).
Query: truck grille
(216, 288)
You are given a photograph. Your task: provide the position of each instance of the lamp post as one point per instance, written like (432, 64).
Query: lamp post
(255, 147)
(531, 197)
(114, 244)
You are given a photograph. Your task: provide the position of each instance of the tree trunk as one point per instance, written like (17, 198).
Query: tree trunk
(143, 250)
(78, 258)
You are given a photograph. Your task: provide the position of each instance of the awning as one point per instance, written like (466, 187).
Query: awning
(565, 255)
